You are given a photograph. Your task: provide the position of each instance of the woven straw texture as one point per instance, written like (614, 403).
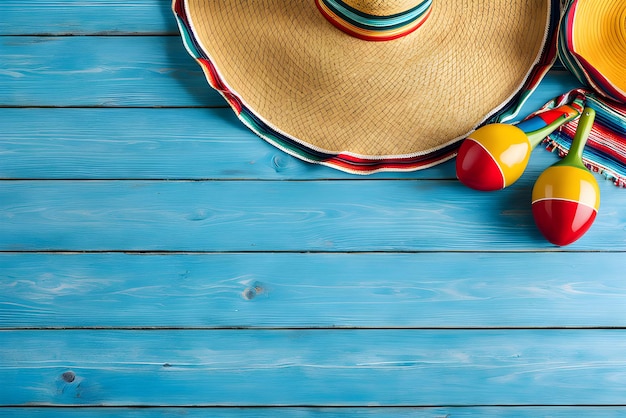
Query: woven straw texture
(332, 92)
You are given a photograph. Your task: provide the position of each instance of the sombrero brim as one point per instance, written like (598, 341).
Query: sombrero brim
(360, 106)
(592, 44)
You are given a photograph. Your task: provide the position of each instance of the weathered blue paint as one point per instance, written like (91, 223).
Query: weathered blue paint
(317, 412)
(102, 71)
(258, 283)
(342, 215)
(79, 17)
(313, 367)
(536, 289)
(187, 143)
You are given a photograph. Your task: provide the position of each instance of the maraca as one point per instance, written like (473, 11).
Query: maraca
(566, 197)
(495, 155)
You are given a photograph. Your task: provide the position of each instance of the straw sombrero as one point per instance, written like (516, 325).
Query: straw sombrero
(369, 85)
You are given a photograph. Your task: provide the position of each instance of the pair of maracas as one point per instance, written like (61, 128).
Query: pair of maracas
(565, 197)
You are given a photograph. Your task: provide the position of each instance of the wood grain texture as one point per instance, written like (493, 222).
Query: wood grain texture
(155, 144)
(310, 412)
(104, 71)
(312, 290)
(114, 71)
(342, 215)
(78, 17)
(257, 285)
(313, 367)
(163, 144)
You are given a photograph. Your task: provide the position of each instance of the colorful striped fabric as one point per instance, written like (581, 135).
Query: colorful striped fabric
(372, 27)
(605, 151)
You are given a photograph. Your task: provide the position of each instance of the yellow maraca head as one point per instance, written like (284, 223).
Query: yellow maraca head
(566, 196)
(493, 157)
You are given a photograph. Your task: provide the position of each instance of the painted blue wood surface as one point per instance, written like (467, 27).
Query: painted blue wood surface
(107, 71)
(314, 367)
(312, 412)
(79, 17)
(188, 143)
(198, 144)
(342, 215)
(255, 279)
(293, 290)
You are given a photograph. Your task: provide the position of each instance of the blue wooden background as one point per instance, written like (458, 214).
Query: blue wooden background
(159, 260)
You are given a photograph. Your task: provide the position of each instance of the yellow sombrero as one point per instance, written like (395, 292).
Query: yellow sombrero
(592, 44)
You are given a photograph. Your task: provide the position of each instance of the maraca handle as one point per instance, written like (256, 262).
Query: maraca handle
(585, 123)
(540, 126)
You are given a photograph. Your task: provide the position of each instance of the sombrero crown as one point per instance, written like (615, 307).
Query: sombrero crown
(376, 20)
(334, 97)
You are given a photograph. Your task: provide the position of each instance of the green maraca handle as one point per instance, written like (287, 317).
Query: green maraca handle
(585, 123)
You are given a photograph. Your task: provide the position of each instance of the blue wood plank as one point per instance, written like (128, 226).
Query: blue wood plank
(154, 144)
(161, 144)
(101, 71)
(304, 412)
(312, 290)
(314, 367)
(131, 71)
(341, 215)
(535, 287)
(77, 17)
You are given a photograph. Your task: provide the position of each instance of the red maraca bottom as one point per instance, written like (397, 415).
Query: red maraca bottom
(476, 167)
(562, 221)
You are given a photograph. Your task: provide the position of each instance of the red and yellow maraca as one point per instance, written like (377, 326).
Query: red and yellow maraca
(566, 196)
(496, 155)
